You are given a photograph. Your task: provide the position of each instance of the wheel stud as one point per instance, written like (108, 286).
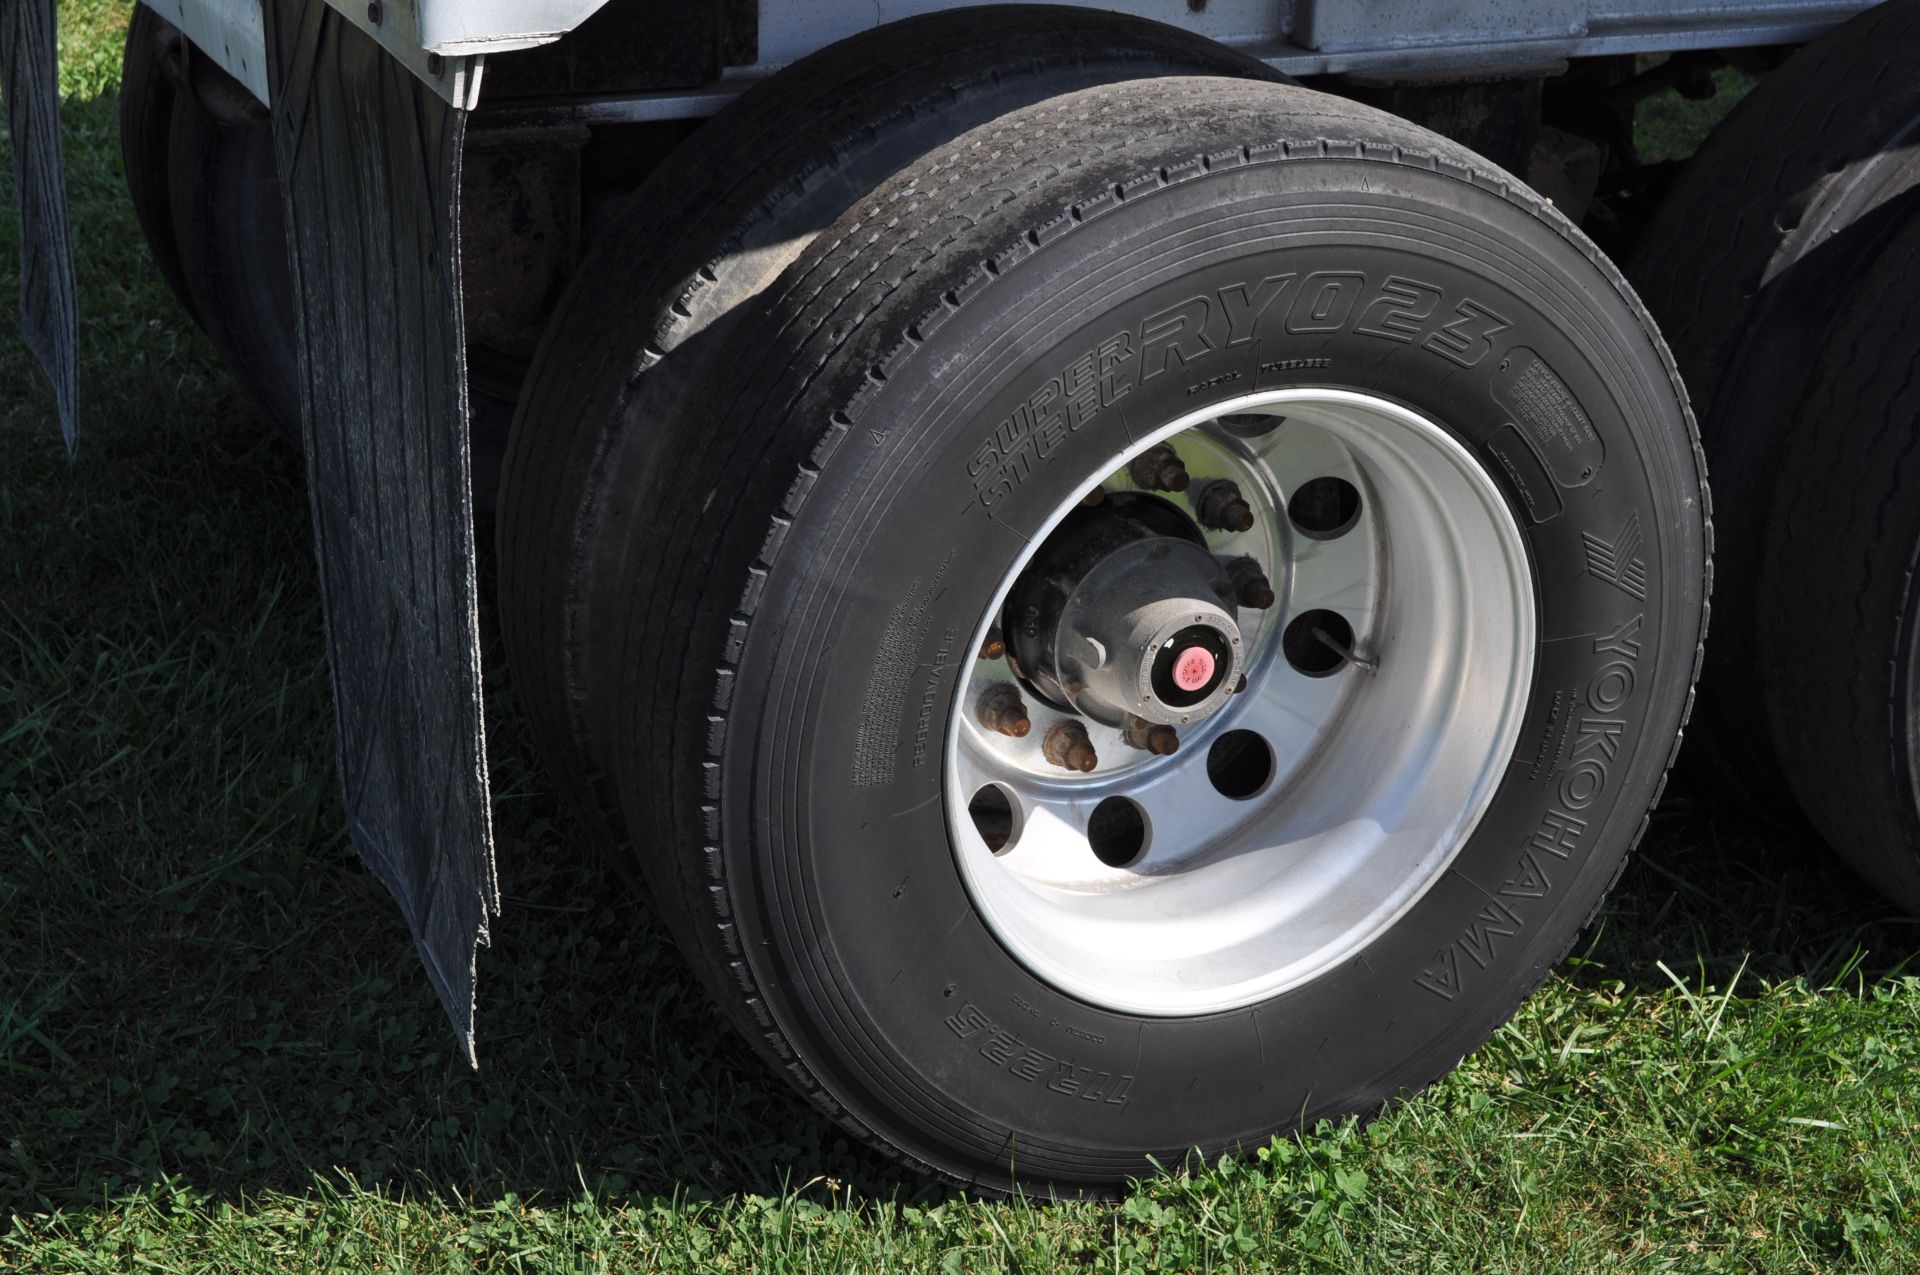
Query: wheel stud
(995, 646)
(1161, 741)
(1159, 469)
(1251, 588)
(1222, 507)
(1068, 747)
(1001, 709)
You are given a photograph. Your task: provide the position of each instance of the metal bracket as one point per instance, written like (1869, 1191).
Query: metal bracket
(398, 28)
(233, 34)
(228, 31)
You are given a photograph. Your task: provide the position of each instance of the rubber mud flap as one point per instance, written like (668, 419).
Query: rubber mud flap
(30, 82)
(369, 163)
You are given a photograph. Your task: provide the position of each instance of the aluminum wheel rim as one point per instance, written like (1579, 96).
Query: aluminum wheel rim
(1374, 777)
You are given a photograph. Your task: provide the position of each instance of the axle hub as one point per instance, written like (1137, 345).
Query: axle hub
(1125, 614)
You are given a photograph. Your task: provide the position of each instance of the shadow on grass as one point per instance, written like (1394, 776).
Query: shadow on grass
(201, 984)
(1713, 893)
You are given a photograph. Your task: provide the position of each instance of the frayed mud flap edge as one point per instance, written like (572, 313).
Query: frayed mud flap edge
(30, 84)
(369, 162)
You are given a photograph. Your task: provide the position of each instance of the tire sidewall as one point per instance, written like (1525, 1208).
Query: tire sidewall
(851, 910)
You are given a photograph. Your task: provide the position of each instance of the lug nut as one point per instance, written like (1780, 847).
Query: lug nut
(1068, 747)
(995, 646)
(1001, 709)
(1161, 741)
(1251, 588)
(1095, 498)
(1222, 508)
(1160, 469)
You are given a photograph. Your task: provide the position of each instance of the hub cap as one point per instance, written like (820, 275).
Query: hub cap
(1238, 707)
(1121, 615)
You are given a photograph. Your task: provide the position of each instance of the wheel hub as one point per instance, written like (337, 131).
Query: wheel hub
(1124, 614)
(1239, 705)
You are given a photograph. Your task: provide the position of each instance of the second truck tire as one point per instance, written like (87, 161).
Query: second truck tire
(1840, 582)
(705, 234)
(1745, 266)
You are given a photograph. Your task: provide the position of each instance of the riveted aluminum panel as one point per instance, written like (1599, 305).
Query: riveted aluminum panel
(228, 31)
(443, 41)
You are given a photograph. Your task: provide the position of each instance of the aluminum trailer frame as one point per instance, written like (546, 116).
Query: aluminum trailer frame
(445, 42)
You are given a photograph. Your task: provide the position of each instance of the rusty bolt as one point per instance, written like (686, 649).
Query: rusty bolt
(1094, 498)
(1159, 469)
(1251, 588)
(1161, 741)
(995, 646)
(1222, 508)
(1001, 709)
(1068, 747)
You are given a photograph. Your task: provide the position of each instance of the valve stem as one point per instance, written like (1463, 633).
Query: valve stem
(1161, 741)
(1339, 648)
(1160, 469)
(1222, 508)
(1068, 747)
(1251, 588)
(1001, 709)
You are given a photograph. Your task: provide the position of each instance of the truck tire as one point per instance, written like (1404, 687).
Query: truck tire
(933, 618)
(146, 119)
(228, 230)
(1745, 266)
(706, 233)
(1840, 583)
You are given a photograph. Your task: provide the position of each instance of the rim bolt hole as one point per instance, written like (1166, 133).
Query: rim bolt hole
(1117, 831)
(1221, 507)
(1239, 764)
(1325, 508)
(992, 815)
(1305, 648)
(1159, 469)
(1067, 746)
(1001, 709)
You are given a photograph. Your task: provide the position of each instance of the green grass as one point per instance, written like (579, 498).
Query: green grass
(217, 1052)
(1668, 126)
